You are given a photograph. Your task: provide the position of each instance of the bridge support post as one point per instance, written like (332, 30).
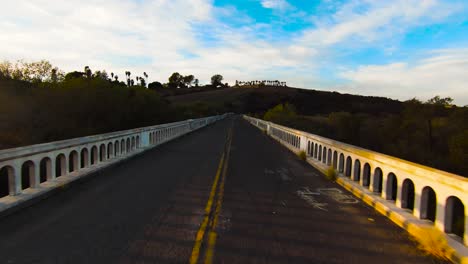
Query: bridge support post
(417, 203)
(440, 215)
(399, 198)
(53, 171)
(37, 170)
(15, 184)
(371, 182)
(385, 193)
(303, 145)
(144, 138)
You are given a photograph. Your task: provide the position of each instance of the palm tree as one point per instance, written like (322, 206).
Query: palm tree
(87, 71)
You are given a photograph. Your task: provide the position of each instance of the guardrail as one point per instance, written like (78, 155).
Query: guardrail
(31, 167)
(434, 196)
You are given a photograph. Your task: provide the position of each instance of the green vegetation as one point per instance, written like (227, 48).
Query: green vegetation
(434, 133)
(39, 103)
(331, 174)
(302, 155)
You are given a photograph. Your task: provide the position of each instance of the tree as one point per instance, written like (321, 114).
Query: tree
(128, 74)
(175, 80)
(216, 80)
(74, 75)
(437, 100)
(88, 72)
(188, 80)
(280, 113)
(142, 82)
(36, 71)
(53, 75)
(155, 86)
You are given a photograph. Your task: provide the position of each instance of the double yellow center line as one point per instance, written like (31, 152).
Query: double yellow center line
(212, 210)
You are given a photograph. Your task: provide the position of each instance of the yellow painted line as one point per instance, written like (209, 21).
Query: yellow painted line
(201, 232)
(209, 254)
(208, 209)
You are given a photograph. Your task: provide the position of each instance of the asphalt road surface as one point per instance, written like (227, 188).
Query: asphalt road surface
(224, 194)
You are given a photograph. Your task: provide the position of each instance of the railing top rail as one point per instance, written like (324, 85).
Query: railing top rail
(420, 169)
(7, 154)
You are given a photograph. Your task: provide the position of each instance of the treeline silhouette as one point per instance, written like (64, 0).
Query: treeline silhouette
(39, 103)
(433, 133)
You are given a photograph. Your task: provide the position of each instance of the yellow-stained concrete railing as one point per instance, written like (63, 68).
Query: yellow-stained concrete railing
(30, 167)
(437, 197)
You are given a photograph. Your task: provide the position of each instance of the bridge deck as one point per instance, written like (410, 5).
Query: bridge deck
(267, 207)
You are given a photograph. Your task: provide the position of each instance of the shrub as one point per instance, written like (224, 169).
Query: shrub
(302, 155)
(331, 174)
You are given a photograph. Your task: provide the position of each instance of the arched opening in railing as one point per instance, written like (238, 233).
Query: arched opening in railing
(320, 153)
(455, 216)
(392, 187)
(138, 143)
(315, 150)
(84, 158)
(407, 195)
(335, 160)
(133, 143)
(110, 150)
(122, 147)
(73, 161)
(308, 148)
(128, 146)
(7, 175)
(348, 166)
(102, 153)
(116, 148)
(366, 175)
(341, 165)
(94, 155)
(428, 204)
(329, 157)
(377, 181)
(324, 159)
(27, 174)
(151, 138)
(45, 169)
(60, 165)
(357, 170)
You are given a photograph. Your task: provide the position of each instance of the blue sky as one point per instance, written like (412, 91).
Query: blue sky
(399, 49)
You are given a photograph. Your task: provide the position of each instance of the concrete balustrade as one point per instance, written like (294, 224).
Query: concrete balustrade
(25, 169)
(430, 196)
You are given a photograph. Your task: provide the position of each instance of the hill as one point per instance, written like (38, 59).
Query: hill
(307, 102)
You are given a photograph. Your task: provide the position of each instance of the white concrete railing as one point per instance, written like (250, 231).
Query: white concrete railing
(29, 167)
(427, 193)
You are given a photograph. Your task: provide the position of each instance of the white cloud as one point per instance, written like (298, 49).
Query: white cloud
(149, 36)
(276, 4)
(156, 35)
(444, 73)
(372, 20)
